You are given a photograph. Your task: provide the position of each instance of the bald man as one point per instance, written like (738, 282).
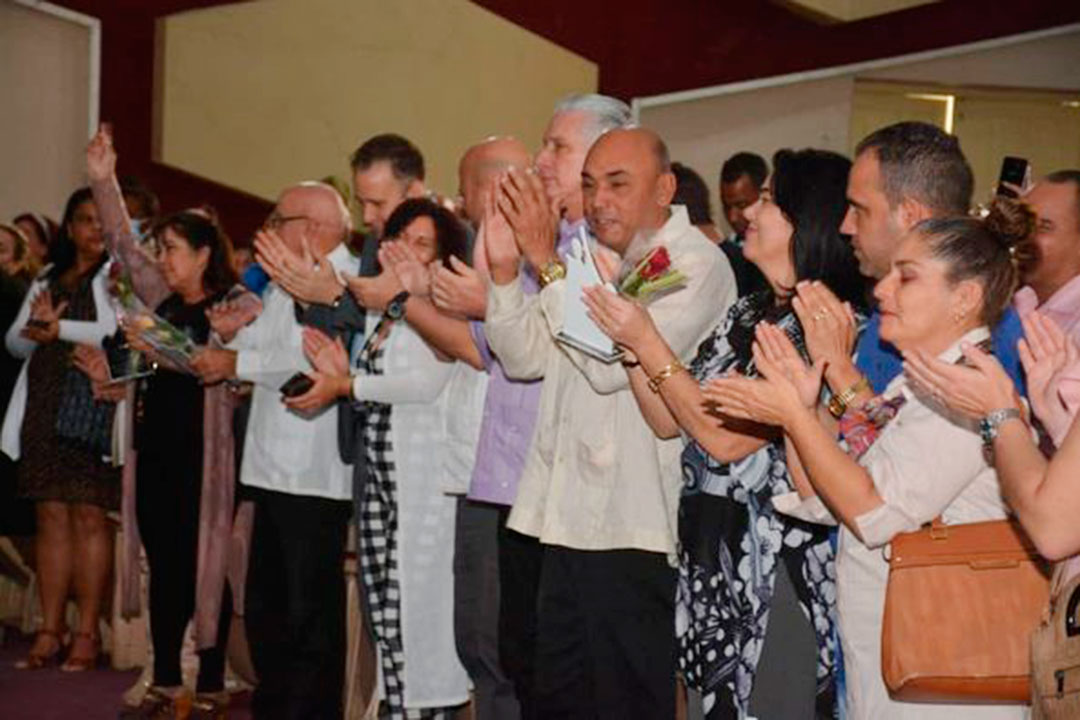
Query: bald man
(599, 489)
(295, 601)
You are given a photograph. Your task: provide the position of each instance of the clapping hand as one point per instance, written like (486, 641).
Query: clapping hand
(308, 277)
(975, 389)
(828, 324)
(330, 375)
(620, 318)
(532, 216)
(1049, 358)
(413, 275)
(44, 325)
(93, 363)
(460, 290)
(229, 316)
(500, 248)
(375, 293)
(786, 388)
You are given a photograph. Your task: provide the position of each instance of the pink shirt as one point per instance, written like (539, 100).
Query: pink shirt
(1063, 307)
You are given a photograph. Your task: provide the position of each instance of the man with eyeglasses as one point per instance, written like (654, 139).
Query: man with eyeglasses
(295, 593)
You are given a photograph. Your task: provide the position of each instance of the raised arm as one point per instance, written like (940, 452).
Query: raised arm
(146, 277)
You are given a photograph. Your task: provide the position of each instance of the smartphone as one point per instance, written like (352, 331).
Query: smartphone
(1014, 170)
(297, 385)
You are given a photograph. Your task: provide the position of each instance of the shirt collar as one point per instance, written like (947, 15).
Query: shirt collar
(1065, 301)
(953, 353)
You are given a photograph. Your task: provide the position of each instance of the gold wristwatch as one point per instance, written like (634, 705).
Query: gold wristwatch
(551, 271)
(838, 403)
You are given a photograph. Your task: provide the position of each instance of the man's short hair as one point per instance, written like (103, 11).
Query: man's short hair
(1067, 177)
(692, 192)
(607, 113)
(405, 159)
(745, 163)
(922, 162)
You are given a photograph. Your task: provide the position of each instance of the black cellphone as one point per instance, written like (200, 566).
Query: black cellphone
(297, 385)
(1013, 170)
(36, 323)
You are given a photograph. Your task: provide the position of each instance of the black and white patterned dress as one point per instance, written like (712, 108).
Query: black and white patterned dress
(379, 550)
(731, 543)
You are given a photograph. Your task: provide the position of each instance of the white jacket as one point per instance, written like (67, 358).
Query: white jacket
(73, 331)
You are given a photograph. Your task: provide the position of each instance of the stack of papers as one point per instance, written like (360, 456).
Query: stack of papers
(578, 330)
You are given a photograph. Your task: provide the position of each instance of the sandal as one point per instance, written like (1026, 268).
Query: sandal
(210, 706)
(157, 704)
(81, 664)
(37, 661)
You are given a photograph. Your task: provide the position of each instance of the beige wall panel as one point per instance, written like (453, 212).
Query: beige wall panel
(260, 95)
(1049, 63)
(44, 78)
(704, 133)
(1040, 129)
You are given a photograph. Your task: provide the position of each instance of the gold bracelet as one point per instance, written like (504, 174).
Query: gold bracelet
(667, 371)
(838, 403)
(549, 272)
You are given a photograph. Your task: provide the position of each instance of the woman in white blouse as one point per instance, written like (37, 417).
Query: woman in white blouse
(908, 459)
(59, 435)
(406, 526)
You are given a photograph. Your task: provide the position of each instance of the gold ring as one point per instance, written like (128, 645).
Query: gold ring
(820, 315)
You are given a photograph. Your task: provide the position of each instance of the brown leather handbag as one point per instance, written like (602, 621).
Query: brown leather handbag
(1055, 653)
(960, 606)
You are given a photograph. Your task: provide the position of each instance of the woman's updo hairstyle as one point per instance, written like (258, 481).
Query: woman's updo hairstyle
(990, 250)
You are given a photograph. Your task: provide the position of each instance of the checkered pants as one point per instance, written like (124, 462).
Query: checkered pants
(378, 548)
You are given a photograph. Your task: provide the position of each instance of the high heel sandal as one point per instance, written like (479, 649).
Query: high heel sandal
(160, 704)
(210, 706)
(80, 664)
(37, 661)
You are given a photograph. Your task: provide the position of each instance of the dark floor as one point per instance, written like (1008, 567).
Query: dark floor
(50, 694)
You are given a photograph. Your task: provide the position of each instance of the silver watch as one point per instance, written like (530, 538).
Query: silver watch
(989, 425)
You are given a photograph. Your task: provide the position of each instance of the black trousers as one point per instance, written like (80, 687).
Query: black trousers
(167, 510)
(295, 605)
(605, 635)
(520, 558)
(476, 608)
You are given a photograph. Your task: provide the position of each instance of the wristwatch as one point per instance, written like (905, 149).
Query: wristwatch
(989, 425)
(395, 309)
(838, 403)
(549, 272)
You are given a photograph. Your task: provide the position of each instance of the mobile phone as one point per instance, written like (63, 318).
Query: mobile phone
(36, 323)
(297, 385)
(1014, 170)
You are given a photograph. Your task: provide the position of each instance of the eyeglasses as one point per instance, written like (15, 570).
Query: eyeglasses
(275, 222)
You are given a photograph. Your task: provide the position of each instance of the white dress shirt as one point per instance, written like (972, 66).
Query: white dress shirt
(286, 451)
(926, 462)
(596, 476)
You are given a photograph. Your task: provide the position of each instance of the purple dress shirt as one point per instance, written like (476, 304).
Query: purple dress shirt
(510, 408)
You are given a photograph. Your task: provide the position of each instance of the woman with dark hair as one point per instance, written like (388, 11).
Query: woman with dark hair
(744, 568)
(406, 521)
(179, 466)
(445, 238)
(906, 458)
(61, 443)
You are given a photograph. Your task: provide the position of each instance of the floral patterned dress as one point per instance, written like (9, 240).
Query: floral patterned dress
(732, 544)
